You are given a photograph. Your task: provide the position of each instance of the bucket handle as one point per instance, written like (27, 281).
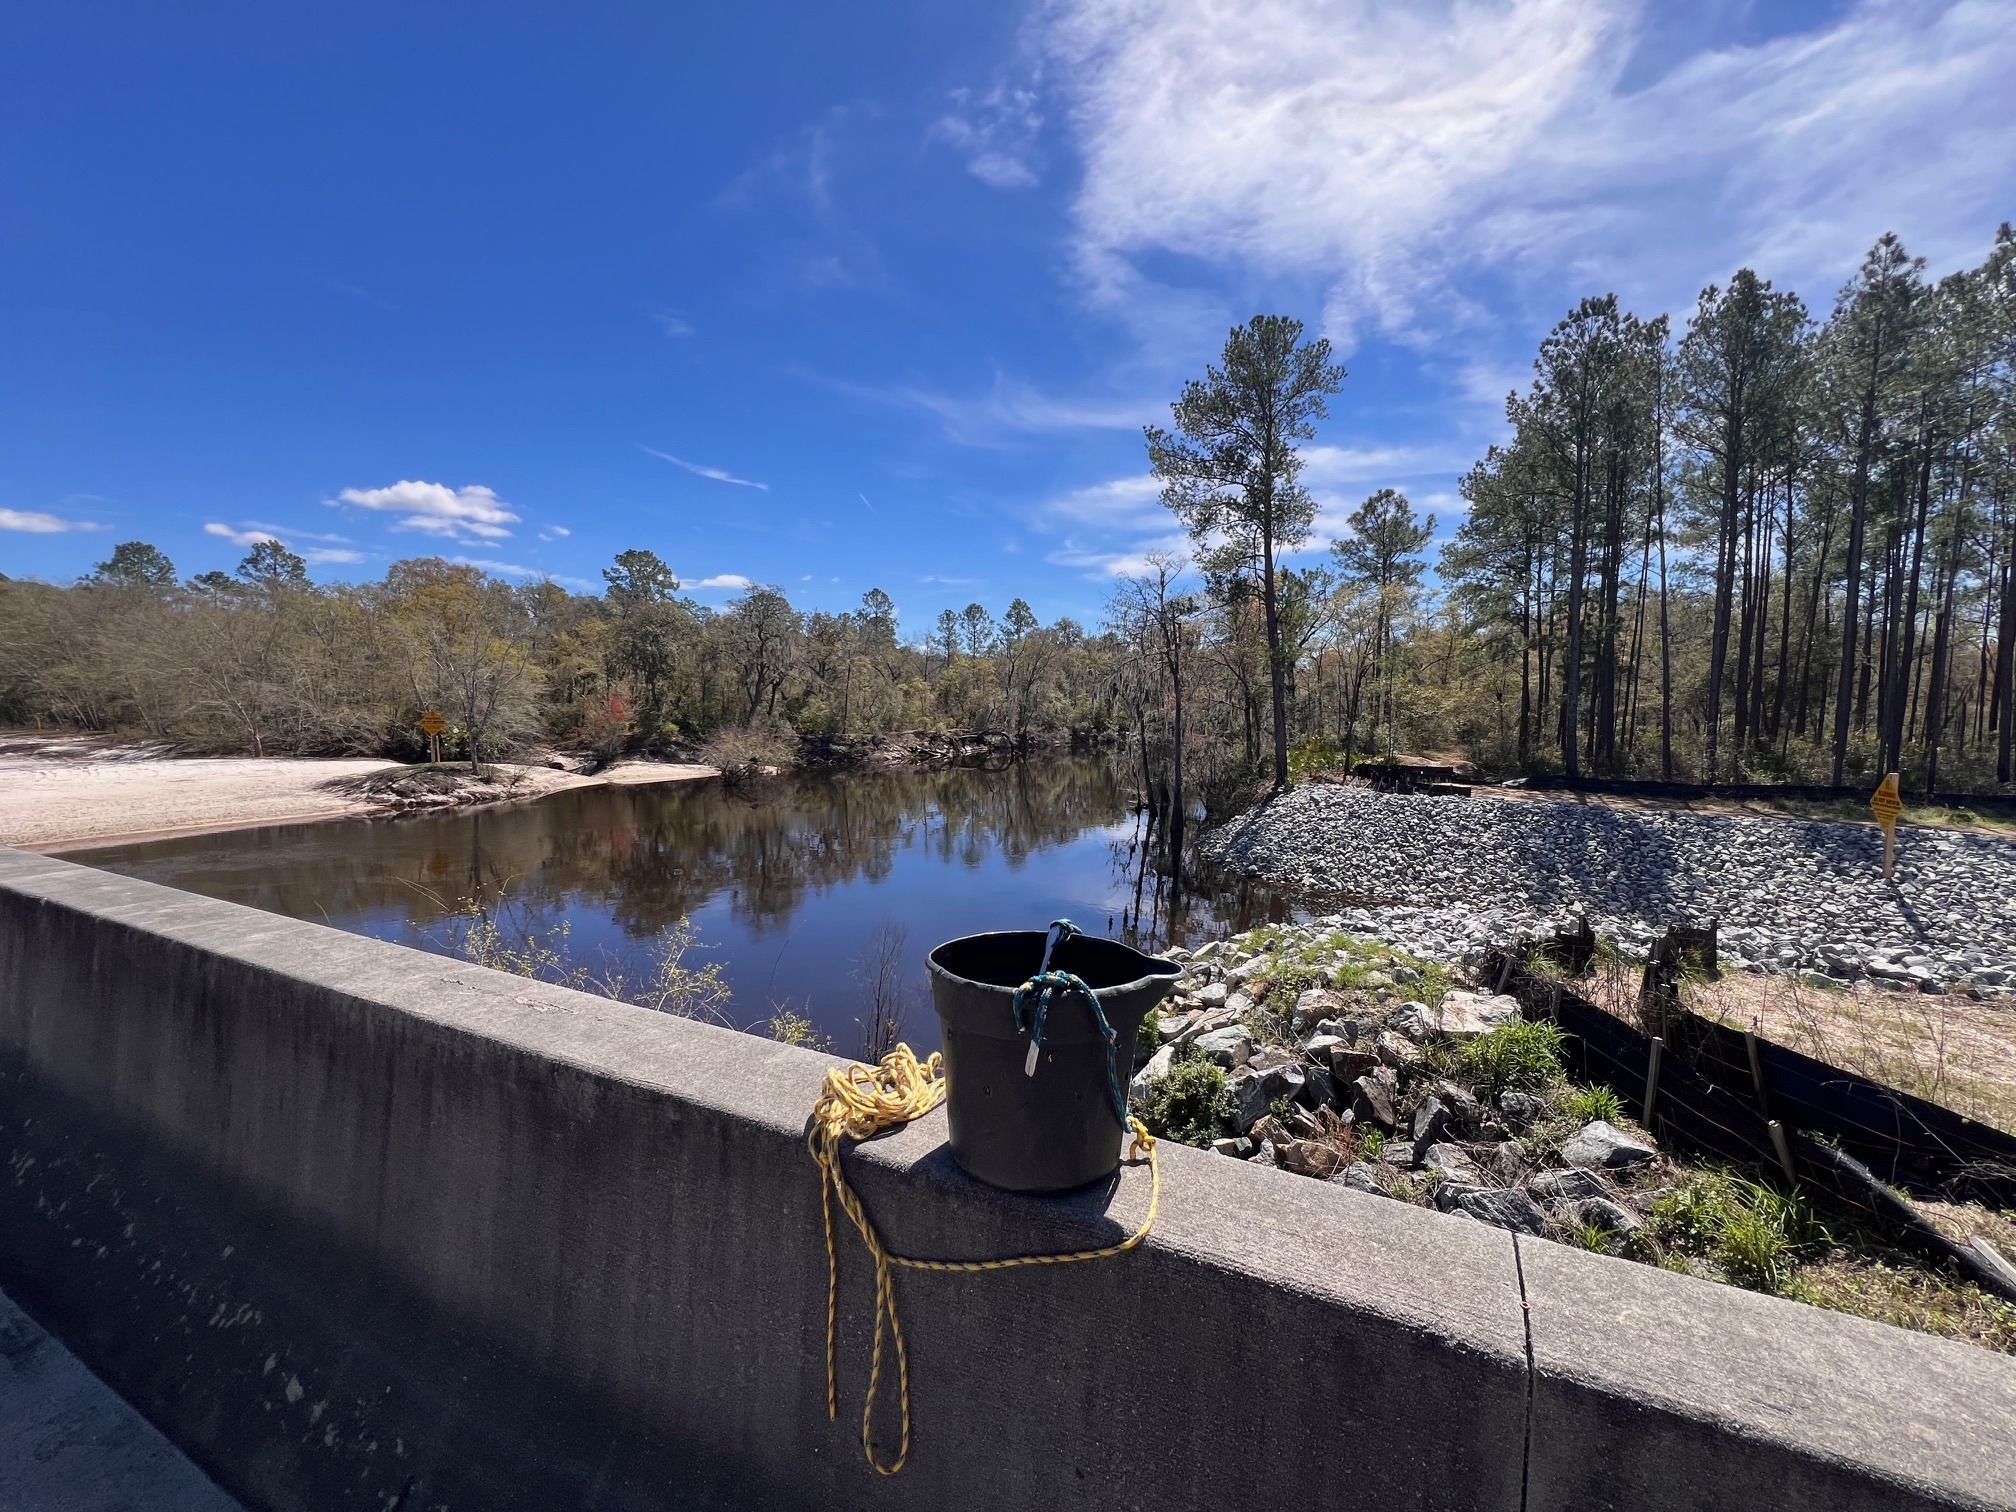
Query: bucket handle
(1042, 985)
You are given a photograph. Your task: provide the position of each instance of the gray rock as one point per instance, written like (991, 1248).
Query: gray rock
(1394, 1050)
(1450, 1194)
(1157, 1068)
(1372, 1098)
(1205, 1022)
(1230, 1046)
(1212, 996)
(1506, 1208)
(1238, 1149)
(1566, 1186)
(1466, 1015)
(1453, 1163)
(1506, 1162)
(1315, 1005)
(1431, 1123)
(1360, 1177)
(1602, 1214)
(1413, 1020)
(1347, 1063)
(1520, 1108)
(1255, 1091)
(1319, 1088)
(1598, 1146)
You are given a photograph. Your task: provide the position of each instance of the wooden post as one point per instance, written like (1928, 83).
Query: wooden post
(1652, 1080)
(1756, 1070)
(1784, 1149)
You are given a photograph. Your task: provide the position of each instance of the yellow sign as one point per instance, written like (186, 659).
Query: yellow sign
(1886, 802)
(432, 722)
(1888, 805)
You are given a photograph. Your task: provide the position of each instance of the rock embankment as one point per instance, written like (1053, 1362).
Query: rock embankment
(1338, 1058)
(1445, 876)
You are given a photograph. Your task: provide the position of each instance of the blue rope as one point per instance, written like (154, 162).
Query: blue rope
(1032, 1017)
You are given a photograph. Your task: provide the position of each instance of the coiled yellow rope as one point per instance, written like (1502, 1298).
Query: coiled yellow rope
(857, 1102)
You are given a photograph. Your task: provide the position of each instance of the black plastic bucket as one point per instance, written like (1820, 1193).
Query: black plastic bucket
(1058, 1128)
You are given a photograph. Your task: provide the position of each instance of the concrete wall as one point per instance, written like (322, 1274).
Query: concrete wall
(362, 1227)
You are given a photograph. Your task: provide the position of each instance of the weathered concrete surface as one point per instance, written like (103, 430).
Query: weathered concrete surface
(69, 1444)
(364, 1227)
(1655, 1389)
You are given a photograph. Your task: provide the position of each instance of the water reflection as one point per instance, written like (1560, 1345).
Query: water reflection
(786, 881)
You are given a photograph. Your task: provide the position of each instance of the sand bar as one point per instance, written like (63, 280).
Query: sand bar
(59, 795)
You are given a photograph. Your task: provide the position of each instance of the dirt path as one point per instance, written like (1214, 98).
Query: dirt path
(62, 795)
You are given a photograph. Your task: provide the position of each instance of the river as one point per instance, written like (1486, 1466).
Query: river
(785, 881)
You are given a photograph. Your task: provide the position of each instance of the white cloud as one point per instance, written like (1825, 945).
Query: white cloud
(1134, 502)
(246, 538)
(671, 324)
(994, 132)
(503, 569)
(1379, 465)
(723, 580)
(1117, 563)
(292, 534)
(436, 509)
(252, 533)
(1396, 152)
(717, 474)
(554, 532)
(33, 522)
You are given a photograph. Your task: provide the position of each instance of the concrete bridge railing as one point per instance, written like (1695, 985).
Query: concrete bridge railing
(362, 1227)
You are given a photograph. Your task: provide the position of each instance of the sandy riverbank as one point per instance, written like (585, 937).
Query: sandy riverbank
(59, 795)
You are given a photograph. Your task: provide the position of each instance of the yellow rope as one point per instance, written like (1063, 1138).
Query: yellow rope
(858, 1102)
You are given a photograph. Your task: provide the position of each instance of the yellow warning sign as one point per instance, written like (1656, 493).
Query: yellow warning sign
(1888, 805)
(432, 722)
(1886, 802)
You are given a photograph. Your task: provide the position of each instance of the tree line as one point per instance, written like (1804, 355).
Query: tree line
(1761, 544)
(267, 662)
(1765, 546)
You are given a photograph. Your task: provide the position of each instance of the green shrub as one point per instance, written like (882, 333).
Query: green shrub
(1515, 1057)
(1591, 1104)
(1191, 1105)
(1148, 1038)
(789, 1028)
(1319, 753)
(1753, 1234)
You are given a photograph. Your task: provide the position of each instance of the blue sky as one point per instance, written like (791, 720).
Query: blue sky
(880, 294)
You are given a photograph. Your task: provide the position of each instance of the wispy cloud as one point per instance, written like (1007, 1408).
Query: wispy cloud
(995, 132)
(554, 532)
(474, 512)
(723, 580)
(357, 292)
(671, 323)
(1009, 411)
(504, 569)
(717, 474)
(246, 538)
(294, 534)
(34, 522)
(251, 534)
(1400, 153)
